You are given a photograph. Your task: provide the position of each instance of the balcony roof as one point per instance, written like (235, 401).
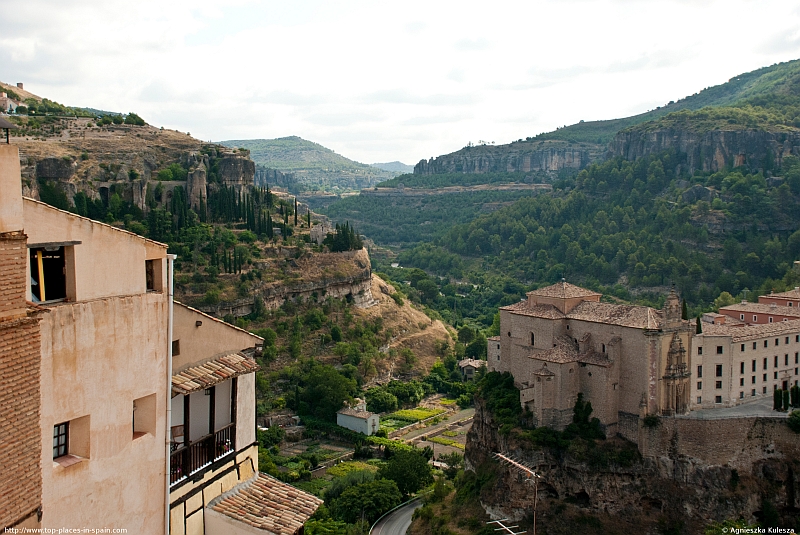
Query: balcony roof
(214, 371)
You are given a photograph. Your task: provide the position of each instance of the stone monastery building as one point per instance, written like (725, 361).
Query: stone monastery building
(630, 361)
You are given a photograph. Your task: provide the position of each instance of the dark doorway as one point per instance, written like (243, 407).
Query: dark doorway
(48, 274)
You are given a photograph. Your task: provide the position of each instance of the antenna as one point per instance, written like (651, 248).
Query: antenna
(530, 475)
(509, 530)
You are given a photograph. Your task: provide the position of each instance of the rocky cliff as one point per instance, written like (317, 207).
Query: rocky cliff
(666, 487)
(517, 157)
(79, 156)
(711, 150)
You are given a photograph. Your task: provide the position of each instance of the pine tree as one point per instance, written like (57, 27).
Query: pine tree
(295, 211)
(308, 217)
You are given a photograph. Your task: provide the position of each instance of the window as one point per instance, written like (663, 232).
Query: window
(755, 318)
(777, 341)
(509, 334)
(700, 350)
(533, 339)
(699, 385)
(754, 364)
(770, 319)
(765, 363)
(797, 338)
(48, 274)
(719, 350)
(718, 399)
(766, 344)
(176, 348)
(741, 395)
(786, 359)
(742, 348)
(718, 385)
(604, 348)
(741, 367)
(776, 375)
(699, 400)
(764, 390)
(776, 361)
(790, 303)
(741, 317)
(754, 380)
(71, 441)
(786, 341)
(796, 355)
(765, 378)
(149, 275)
(60, 440)
(754, 345)
(144, 416)
(719, 370)
(741, 381)
(699, 371)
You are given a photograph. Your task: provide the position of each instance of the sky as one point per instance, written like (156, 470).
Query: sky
(383, 81)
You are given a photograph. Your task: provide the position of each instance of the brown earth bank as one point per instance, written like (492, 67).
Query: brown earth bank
(610, 488)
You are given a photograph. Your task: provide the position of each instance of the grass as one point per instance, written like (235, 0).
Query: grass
(446, 401)
(446, 442)
(342, 469)
(451, 433)
(415, 415)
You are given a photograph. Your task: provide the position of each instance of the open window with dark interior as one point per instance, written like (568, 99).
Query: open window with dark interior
(48, 273)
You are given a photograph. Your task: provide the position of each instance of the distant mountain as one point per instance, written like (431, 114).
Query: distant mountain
(313, 167)
(761, 99)
(394, 167)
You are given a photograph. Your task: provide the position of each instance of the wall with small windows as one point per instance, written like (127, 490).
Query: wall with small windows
(100, 260)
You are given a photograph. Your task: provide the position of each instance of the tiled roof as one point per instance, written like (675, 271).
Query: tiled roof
(763, 308)
(751, 332)
(347, 411)
(537, 311)
(268, 504)
(543, 371)
(475, 363)
(494, 339)
(565, 351)
(791, 294)
(212, 372)
(623, 315)
(563, 290)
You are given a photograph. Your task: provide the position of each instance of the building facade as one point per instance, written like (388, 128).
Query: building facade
(358, 419)
(624, 359)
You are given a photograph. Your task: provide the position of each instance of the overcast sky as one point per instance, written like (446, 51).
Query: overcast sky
(382, 81)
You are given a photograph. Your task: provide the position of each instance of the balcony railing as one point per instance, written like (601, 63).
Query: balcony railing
(186, 460)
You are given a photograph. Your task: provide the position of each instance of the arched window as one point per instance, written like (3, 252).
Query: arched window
(532, 339)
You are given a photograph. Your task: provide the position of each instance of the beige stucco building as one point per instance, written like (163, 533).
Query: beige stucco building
(624, 359)
(120, 409)
(357, 418)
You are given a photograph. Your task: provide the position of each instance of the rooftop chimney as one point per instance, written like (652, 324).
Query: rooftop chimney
(19, 85)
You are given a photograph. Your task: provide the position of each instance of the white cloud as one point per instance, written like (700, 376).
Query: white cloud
(385, 81)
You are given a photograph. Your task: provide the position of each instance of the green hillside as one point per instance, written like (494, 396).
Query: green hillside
(315, 167)
(781, 79)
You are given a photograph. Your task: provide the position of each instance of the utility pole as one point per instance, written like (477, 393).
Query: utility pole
(530, 475)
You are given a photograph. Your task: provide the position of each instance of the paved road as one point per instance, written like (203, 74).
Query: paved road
(398, 521)
(761, 407)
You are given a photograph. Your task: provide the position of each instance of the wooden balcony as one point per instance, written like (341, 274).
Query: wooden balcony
(189, 459)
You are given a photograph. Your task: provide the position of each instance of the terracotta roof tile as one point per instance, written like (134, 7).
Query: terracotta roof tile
(347, 411)
(475, 363)
(565, 351)
(563, 290)
(623, 315)
(212, 372)
(537, 311)
(763, 308)
(791, 294)
(741, 333)
(268, 504)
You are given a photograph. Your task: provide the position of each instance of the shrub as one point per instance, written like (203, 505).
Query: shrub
(651, 420)
(794, 421)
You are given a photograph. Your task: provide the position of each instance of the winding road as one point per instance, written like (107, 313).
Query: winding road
(398, 521)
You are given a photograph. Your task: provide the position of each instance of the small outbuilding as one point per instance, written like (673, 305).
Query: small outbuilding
(468, 367)
(357, 418)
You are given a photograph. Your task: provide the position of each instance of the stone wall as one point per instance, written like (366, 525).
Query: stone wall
(735, 442)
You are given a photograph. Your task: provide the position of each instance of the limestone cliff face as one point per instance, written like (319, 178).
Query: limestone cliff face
(521, 157)
(668, 484)
(711, 150)
(236, 169)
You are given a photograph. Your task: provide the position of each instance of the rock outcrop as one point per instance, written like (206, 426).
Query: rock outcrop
(55, 168)
(713, 150)
(518, 157)
(236, 169)
(666, 485)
